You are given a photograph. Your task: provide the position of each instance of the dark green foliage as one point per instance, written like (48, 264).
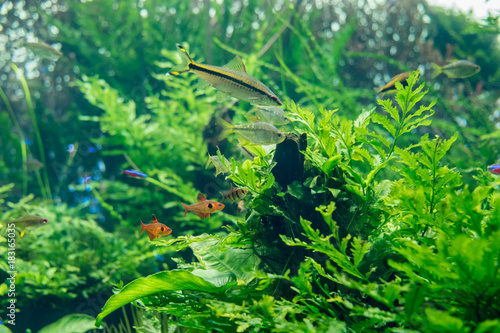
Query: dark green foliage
(70, 256)
(393, 225)
(354, 252)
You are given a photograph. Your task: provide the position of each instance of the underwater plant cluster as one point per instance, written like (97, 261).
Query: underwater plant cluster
(355, 153)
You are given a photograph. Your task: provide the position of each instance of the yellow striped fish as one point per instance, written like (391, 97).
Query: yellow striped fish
(232, 80)
(390, 88)
(234, 194)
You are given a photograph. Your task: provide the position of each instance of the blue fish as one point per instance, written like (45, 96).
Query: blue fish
(494, 169)
(71, 148)
(135, 174)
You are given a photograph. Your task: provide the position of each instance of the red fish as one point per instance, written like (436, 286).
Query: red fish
(135, 174)
(494, 169)
(155, 229)
(234, 194)
(203, 207)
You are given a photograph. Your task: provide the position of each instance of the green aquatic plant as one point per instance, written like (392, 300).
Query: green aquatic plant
(343, 249)
(71, 257)
(45, 184)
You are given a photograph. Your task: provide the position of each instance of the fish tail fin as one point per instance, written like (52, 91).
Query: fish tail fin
(437, 70)
(186, 209)
(184, 67)
(252, 118)
(209, 161)
(143, 228)
(227, 129)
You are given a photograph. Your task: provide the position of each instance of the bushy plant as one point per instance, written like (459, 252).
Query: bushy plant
(72, 256)
(343, 249)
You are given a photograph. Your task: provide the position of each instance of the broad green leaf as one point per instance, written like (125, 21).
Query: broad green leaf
(73, 323)
(174, 280)
(488, 326)
(217, 278)
(216, 255)
(4, 329)
(299, 191)
(442, 321)
(331, 163)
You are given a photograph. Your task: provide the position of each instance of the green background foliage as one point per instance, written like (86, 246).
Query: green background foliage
(393, 226)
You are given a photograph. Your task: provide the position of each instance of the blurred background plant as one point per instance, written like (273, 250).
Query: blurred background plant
(108, 96)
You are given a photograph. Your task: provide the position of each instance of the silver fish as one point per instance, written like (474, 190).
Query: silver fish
(232, 80)
(460, 69)
(259, 133)
(270, 114)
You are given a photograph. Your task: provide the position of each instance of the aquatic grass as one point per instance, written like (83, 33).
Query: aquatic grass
(21, 140)
(64, 170)
(45, 188)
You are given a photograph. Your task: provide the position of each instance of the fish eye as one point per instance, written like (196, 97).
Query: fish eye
(210, 206)
(162, 229)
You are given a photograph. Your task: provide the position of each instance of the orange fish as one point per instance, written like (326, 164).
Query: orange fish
(203, 207)
(155, 229)
(234, 194)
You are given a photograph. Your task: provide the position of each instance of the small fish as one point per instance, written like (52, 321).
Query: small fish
(135, 174)
(86, 180)
(34, 165)
(29, 222)
(390, 88)
(231, 79)
(269, 114)
(240, 207)
(494, 169)
(71, 149)
(203, 207)
(259, 133)
(459, 69)
(219, 167)
(234, 194)
(155, 229)
(43, 50)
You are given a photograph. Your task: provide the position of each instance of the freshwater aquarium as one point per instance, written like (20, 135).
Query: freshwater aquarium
(249, 166)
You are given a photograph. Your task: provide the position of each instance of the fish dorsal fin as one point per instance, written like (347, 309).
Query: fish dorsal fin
(153, 219)
(236, 64)
(201, 197)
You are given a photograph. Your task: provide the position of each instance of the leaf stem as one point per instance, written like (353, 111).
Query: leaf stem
(32, 114)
